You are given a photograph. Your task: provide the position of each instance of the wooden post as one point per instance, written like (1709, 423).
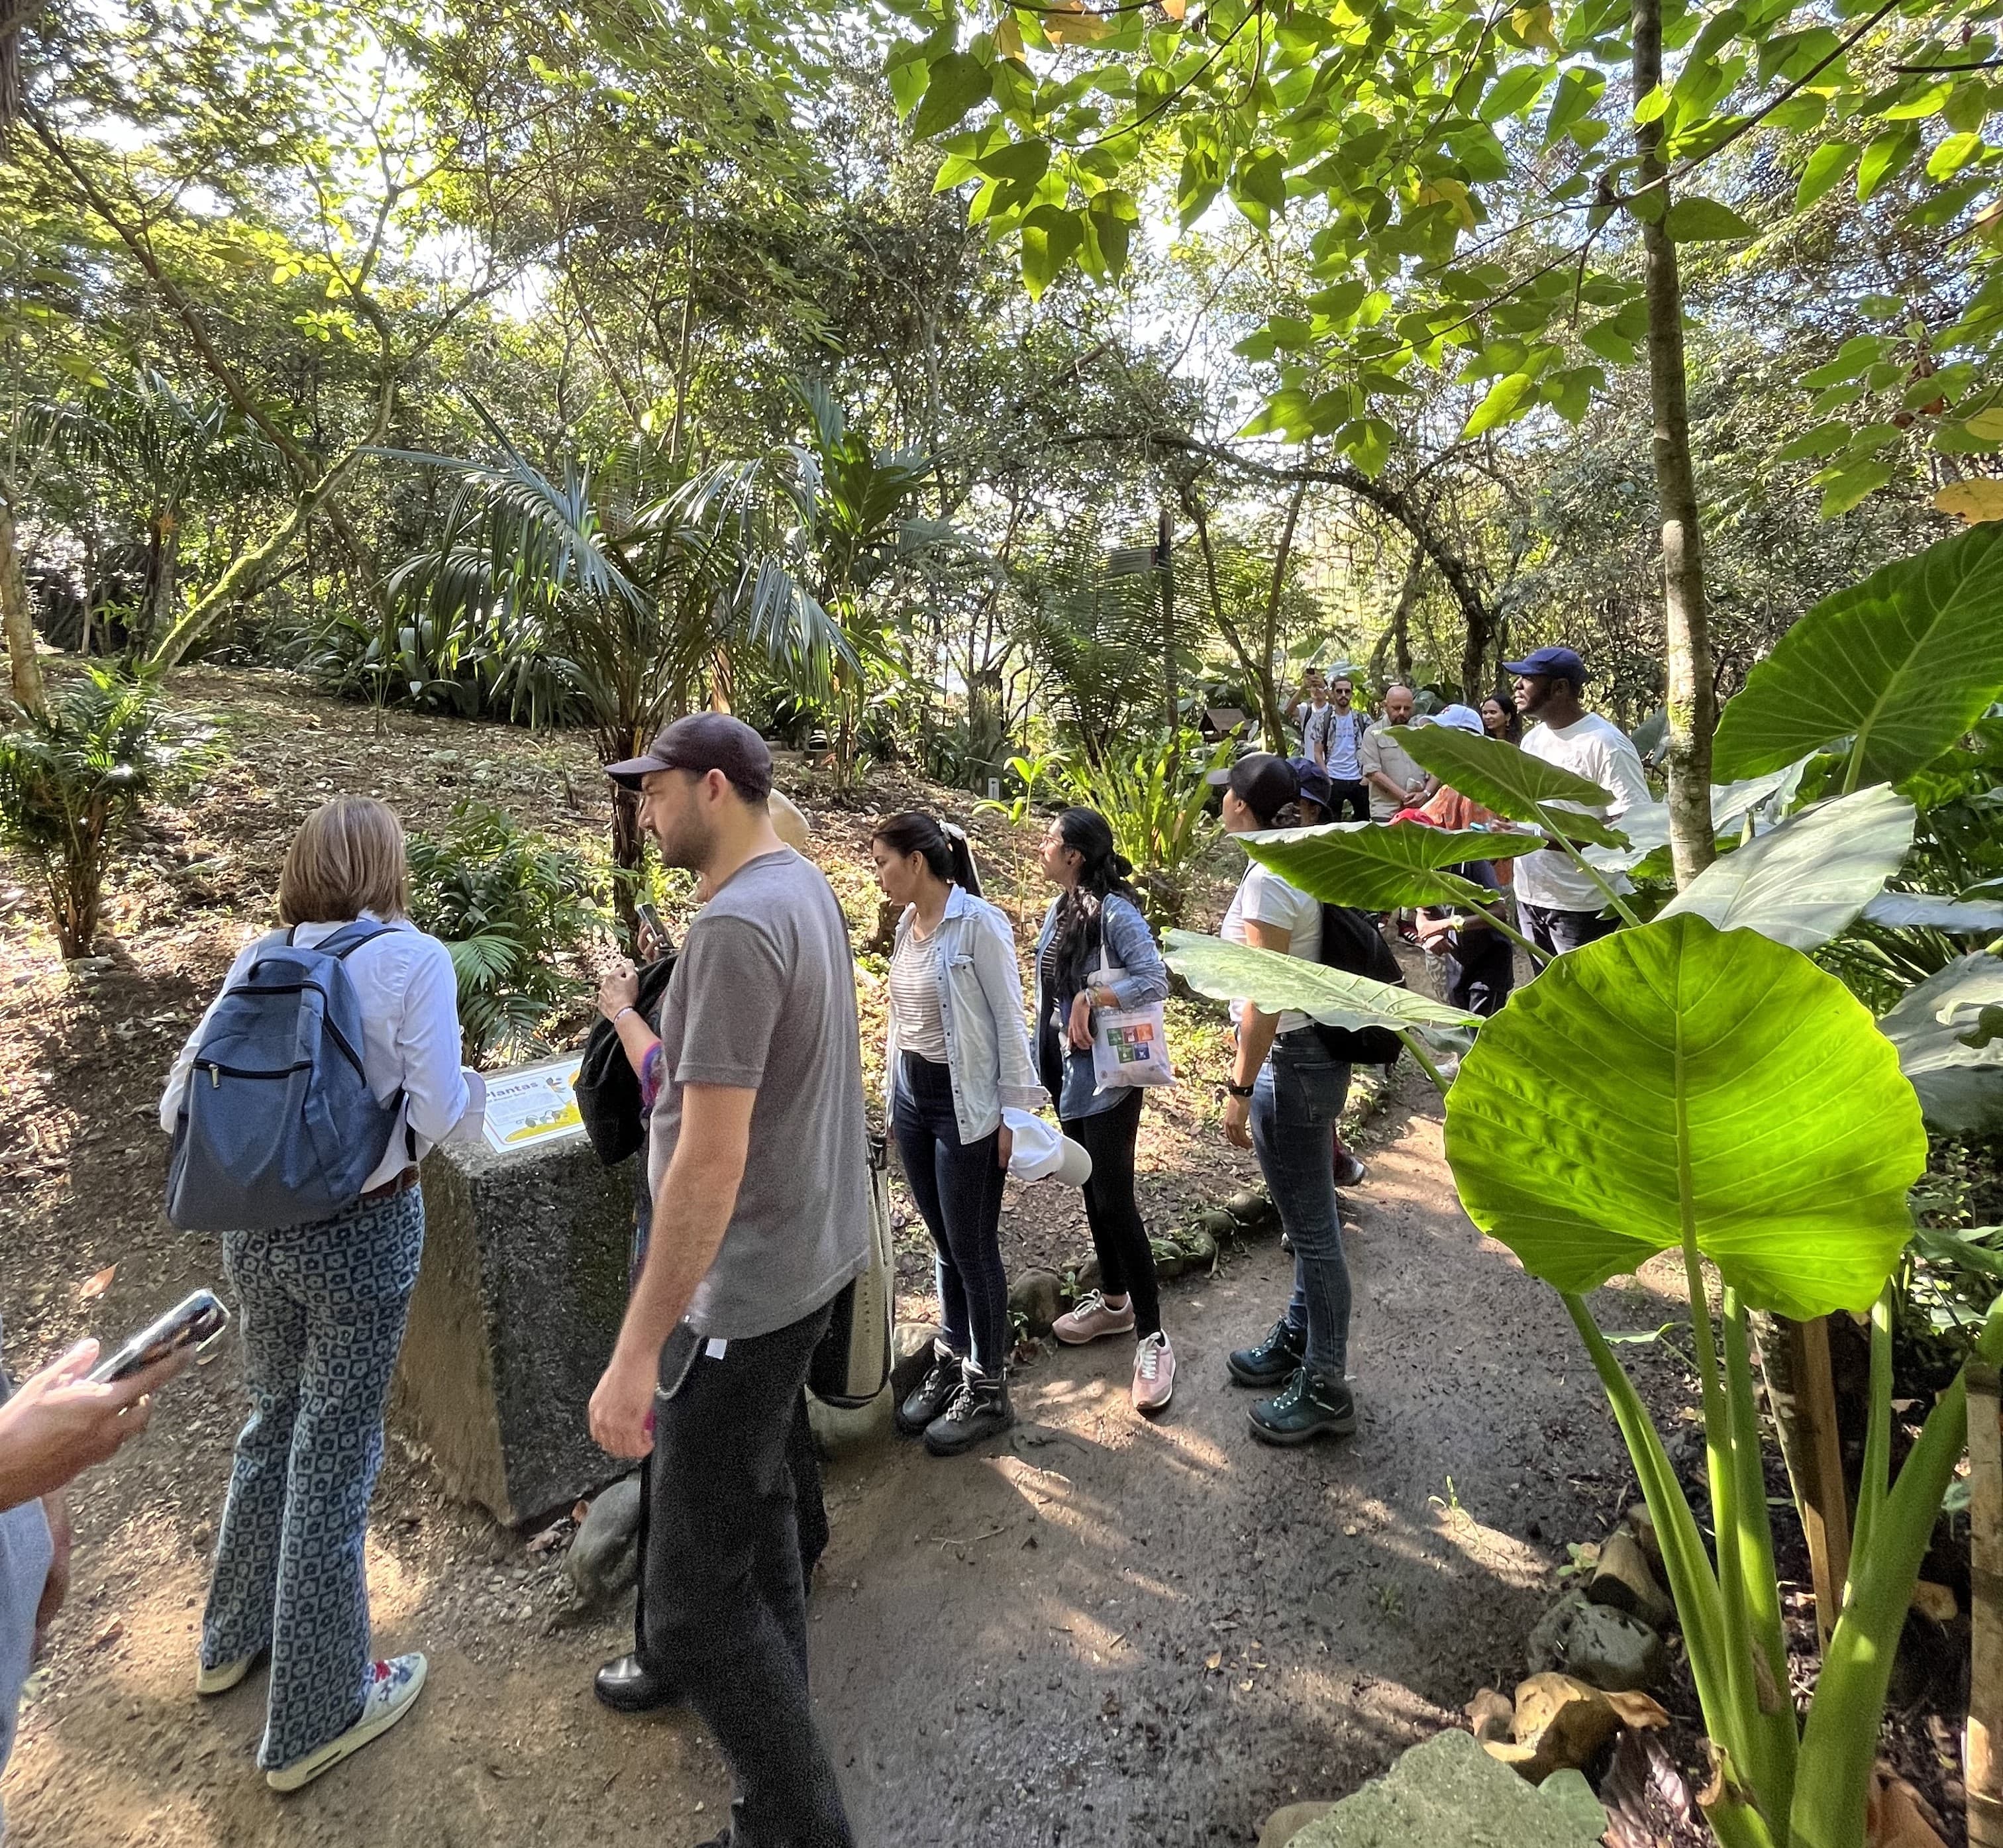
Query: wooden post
(1817, 1465)
(1982, 1750)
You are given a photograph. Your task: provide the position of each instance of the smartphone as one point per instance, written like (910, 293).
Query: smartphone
(650, 920)
(196, 1322)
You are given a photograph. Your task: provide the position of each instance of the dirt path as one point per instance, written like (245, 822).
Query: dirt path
(1106, 1632)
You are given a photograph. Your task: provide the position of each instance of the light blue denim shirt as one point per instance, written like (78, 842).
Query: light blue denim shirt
(1130, 945)
(980, 1006)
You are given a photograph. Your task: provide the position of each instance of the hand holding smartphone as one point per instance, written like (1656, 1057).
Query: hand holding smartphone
(196, 1322)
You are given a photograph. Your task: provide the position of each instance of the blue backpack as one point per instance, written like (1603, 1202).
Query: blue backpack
(278, 1127)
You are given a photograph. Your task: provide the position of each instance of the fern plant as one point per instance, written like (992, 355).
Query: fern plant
(516, 912)
(70, 783)
(1158, 802)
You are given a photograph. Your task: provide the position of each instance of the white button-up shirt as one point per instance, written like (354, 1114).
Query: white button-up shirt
(409, 998)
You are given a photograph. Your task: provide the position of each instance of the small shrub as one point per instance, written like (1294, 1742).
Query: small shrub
(515, 911)
(70, 785)
(1158, 803)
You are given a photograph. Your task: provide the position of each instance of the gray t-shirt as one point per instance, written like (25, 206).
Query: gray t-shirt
(25, 1555)
(762, 998)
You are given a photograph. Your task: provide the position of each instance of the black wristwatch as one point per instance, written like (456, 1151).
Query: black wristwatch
(1239, 1090)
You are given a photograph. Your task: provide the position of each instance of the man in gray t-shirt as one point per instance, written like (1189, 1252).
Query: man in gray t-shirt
(764, 998)
(760, 1218)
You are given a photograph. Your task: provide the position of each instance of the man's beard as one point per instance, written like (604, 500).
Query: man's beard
(686, 841)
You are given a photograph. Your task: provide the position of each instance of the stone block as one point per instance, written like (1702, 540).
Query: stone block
(1449, 1790)
(515, 1311)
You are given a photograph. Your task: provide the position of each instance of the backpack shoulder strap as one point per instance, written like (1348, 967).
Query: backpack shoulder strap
(350, 937)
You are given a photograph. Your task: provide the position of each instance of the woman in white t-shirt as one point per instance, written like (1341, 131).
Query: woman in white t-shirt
(1284, 1094)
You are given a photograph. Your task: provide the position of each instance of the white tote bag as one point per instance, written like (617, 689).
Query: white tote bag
(1129, 1045)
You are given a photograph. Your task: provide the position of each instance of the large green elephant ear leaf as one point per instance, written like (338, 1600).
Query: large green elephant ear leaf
(1904, 662)
(1278, 983)
(1948, 1032)
(1809, 878)
(1379, 866)
(1511, 782)
(1677, 1074)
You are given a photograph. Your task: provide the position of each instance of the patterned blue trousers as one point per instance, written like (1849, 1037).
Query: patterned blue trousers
(323, 1307)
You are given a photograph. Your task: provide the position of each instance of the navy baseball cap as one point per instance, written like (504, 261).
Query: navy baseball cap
(1561, 661)
(1313, 782)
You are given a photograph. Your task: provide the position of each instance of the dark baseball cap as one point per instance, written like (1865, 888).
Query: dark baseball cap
(1264, 783)
(1313, 782)
(1561, 661)
(702, 742)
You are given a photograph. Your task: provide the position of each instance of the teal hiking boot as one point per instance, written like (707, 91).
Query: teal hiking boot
(1307, 1407)
(1273, 1362)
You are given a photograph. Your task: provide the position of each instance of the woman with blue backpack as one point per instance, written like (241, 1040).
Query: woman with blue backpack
(300, 1108)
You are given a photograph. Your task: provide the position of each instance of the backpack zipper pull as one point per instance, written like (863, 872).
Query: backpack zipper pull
(214, 1078)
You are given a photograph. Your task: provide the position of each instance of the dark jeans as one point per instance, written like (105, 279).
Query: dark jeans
(958, 1189)
(810, 1507)
(1297, 1098)
(1126, 1259)
(1480, 971)
(1351, 797)
(725, 1603)
(1555, 931)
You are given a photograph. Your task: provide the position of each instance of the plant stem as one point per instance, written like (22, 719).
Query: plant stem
(1875, 1483)
(1771, 1726)
(1541, 958)
(1840, 1743)
(1585, 866)
(1692, 1581)
(1426, 1065)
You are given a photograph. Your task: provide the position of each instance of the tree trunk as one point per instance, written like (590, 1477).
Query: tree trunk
(1692, 702)
(1282, 557)
(1164, 563)
(29, 694)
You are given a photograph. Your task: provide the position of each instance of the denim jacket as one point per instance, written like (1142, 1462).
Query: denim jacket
(1130, 945)
(980, 1006)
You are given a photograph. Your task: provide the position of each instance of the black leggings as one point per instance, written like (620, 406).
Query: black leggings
(1126, 1259)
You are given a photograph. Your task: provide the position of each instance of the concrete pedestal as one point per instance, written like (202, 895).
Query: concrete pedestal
(517, 1309)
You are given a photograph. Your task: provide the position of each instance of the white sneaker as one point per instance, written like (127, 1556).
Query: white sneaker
(223, 1676)
(1154, 1373)
(393, 1685)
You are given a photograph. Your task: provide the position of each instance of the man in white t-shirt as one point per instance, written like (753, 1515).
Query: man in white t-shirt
(1333, 736)
(1561, 907)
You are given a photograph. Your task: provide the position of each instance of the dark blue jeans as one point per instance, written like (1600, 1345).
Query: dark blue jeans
(958, 1188)
(1295, 1101)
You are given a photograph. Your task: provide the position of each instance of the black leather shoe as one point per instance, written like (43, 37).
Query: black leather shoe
(933, 1393)
(625, 1685)
(1273, 1361)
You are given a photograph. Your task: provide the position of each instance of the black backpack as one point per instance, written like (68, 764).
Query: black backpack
(1351, 941)
(608, 1090)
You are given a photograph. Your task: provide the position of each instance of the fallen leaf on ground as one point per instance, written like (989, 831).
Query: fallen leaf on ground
(96, 1286)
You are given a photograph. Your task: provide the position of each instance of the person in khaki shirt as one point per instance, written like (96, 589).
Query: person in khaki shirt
(1396, 781)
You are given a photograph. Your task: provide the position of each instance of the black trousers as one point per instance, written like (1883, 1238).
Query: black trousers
(725, 1601)
(1119, 1236)
(1555, 931)
(1348, 801)
(802, 1456)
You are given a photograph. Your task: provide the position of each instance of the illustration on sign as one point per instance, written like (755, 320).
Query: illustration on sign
(535, 1104)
